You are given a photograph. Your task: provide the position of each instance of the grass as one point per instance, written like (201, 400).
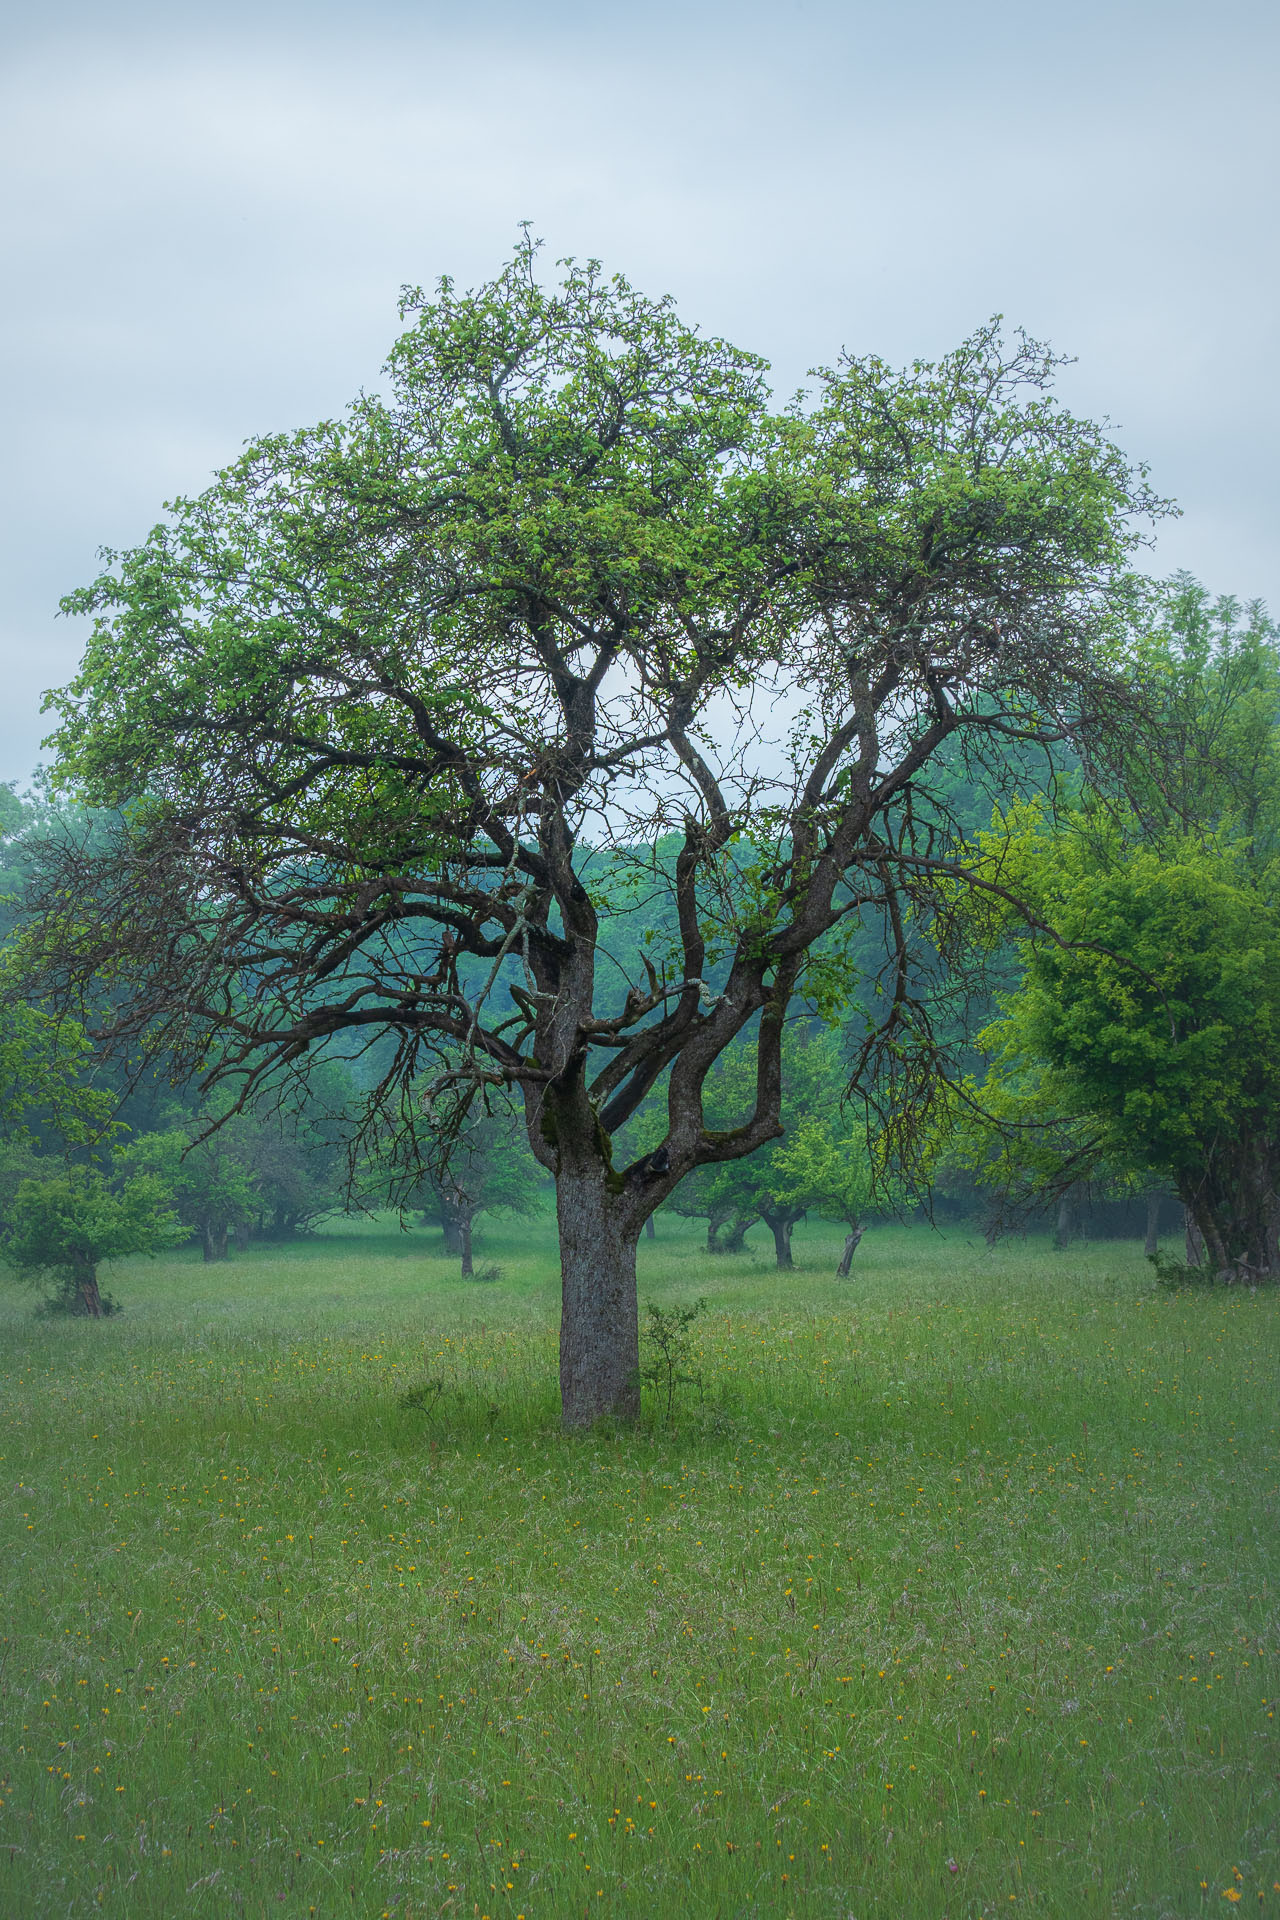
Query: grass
(955, 1595)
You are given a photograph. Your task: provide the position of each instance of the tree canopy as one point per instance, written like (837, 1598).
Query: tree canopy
(62, 1228)
(370, 707)
(1142, 1040)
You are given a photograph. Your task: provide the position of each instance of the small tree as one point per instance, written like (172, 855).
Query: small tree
(763, 1186)
(485, 1167)
(1159, 1021)
(63, 1229)
(828, 1170)
(211, 1187)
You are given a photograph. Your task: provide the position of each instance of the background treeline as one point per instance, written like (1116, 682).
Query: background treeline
(1107, 1067)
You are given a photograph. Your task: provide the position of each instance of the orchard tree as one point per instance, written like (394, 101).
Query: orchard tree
(1157, 1016)
(484, 1166)
(47, 1072)
(207, 1175)
(62, 1229)
(827, 1168)
(760, 1186)
(1141, 1047)
(374, 709)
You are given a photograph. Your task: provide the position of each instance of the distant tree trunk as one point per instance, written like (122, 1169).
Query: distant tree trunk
(717, 1221)
(452, 1230)
(1067, 1225)
(213, 1238)
(243, 1234)
(87, 1288)
(464, 1244)
(856, 1232)
(1233, 1211)
(1151, 1246)
(736, 1239)
(650, 1231)
(780, 1227)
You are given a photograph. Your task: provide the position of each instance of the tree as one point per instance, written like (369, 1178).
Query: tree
(761, 1186)
(702, 1195)
(483, 1168)
(207, 1178)
(374, 705)
(1140, 1046)
(1159, 1019)
(294, 1150)
(65, 1227)
(828, 1169)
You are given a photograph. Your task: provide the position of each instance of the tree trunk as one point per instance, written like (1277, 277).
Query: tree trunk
(716, 1222)
(214, 1241)
(856, 1232)
(452, 1231)
(1151, 1246)
(599, 1323)
(650, 1231)
(1064, 1231)
(87, 1288)
(464, 1245)
(1233, 1211)
(737, 1240)
(781, 1231)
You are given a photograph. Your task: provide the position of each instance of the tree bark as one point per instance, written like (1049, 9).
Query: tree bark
(1065, 1228)
(781, 1231)
(856, 1232)
(737, 1239)
(464, 1245)
(87, 1288)
(1232, 1203)
(452, 1231)
(599, 1322)
(1151, 1246)
(214, 1241)
(650, 1231)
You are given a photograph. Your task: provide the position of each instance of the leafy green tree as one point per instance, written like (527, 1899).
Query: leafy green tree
(1140, 1047)
(296, 1152)
(1211, 673)
(763, 1186)
(705, 1195)
(62, 1229)
(371, 706)
(47, 1077)
(210, 1184)
(827, 1168)
(485, 1167)
(1156, 1011)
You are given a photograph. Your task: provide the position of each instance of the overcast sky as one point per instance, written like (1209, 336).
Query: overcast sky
(209, 211)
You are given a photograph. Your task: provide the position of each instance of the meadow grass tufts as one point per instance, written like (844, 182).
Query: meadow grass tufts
(954, 1594)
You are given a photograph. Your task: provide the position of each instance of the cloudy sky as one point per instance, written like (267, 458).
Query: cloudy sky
(209, 210)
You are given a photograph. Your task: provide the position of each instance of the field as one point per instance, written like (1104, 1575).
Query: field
(953, 1592)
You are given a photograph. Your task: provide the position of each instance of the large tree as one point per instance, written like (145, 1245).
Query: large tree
(1146, 1038)
(1141, 1045)
(373, 704)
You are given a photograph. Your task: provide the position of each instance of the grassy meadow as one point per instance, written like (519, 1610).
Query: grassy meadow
(954, 1593)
